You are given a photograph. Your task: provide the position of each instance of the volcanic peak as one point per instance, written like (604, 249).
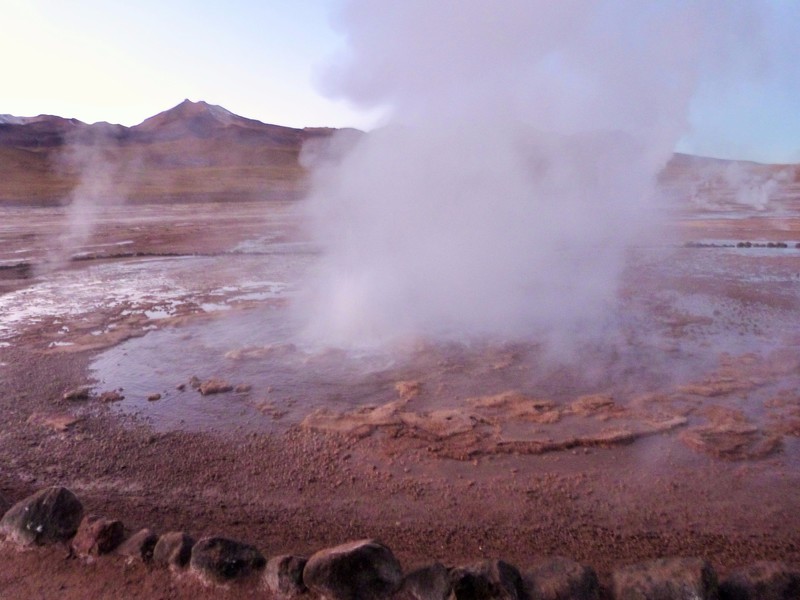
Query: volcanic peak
(200, 118)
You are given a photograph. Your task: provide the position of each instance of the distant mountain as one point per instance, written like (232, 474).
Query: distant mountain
(197, 151)
(686, 169)
(199, 119)
(688, 162)
(12, 120)
(194, 151)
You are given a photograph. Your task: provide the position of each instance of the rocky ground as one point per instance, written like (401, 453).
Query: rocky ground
(721, 484)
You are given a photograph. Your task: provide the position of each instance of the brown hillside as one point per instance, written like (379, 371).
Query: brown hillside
(196, 151)
(192, 152)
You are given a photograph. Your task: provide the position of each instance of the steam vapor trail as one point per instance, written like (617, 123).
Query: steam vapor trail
(94, 159)
(516, 165)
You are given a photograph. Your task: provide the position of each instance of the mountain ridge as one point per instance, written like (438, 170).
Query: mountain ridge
(197, 151)
(194, 151)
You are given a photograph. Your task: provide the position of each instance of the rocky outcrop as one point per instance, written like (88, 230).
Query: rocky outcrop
(220, 559)
(284, 576)
(486, 580)
(560, 578)
(362, 570)
(173, 549)
(764, 580)
(140, 545)
(49, 516)
(667, 578)
(97, 535)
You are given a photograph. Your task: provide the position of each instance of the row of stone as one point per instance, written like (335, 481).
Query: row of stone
(367, 570)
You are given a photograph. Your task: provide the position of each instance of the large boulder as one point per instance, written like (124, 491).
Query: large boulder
(486, 580)
(140, 545)
(49, 516)
(559, 578)
(97, 535)
(284, 575)
(431, 582)
(219, 559)
(362, 570)
(666, 579)
(764, 580)
(173, 549)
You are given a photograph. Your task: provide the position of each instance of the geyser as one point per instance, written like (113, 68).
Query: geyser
(515, 168)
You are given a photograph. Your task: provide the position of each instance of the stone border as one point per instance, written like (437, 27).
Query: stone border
(368, 570)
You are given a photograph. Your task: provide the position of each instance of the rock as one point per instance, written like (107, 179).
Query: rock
(243, 388)
(219, 559)
(112, 396)
(78, 393)
(668, 579)
(732, 441)
(560, 578)
(763, 580)
(55, 422)
(154, 397)
(173, 549)
(284, 575)
(195, 382)
(140, 545)
(592, 404)
(408, 390)
(487, 580)
(428, 583)
(50, 515)
(97, 535)
(362, 570)
(214, 386)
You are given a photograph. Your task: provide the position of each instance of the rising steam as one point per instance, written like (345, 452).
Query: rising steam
(515, 168)
(91, 158)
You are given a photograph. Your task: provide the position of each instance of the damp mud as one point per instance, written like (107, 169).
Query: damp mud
(702, 329)
(698, 333)
(675, 430)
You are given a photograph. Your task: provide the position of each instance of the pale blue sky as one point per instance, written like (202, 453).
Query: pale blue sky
(125, 61)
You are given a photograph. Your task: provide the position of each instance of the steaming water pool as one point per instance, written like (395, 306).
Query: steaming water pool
(247, 347)
(696, 329)
(688, 337)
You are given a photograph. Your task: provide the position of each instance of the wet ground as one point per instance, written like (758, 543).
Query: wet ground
(693, 325)
(676, 431)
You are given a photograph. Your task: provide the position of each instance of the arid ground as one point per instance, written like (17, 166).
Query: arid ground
(677, 436)
(674, 434)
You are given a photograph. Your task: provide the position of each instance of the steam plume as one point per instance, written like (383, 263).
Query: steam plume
(93, 159)
(516, 166)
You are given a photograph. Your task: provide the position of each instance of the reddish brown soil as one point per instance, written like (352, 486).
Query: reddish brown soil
(305, 488)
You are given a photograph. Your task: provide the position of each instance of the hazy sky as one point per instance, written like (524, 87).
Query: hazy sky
(123, 62)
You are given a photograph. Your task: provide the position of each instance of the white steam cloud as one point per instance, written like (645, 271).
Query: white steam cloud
(92, 157)
(516, 166)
